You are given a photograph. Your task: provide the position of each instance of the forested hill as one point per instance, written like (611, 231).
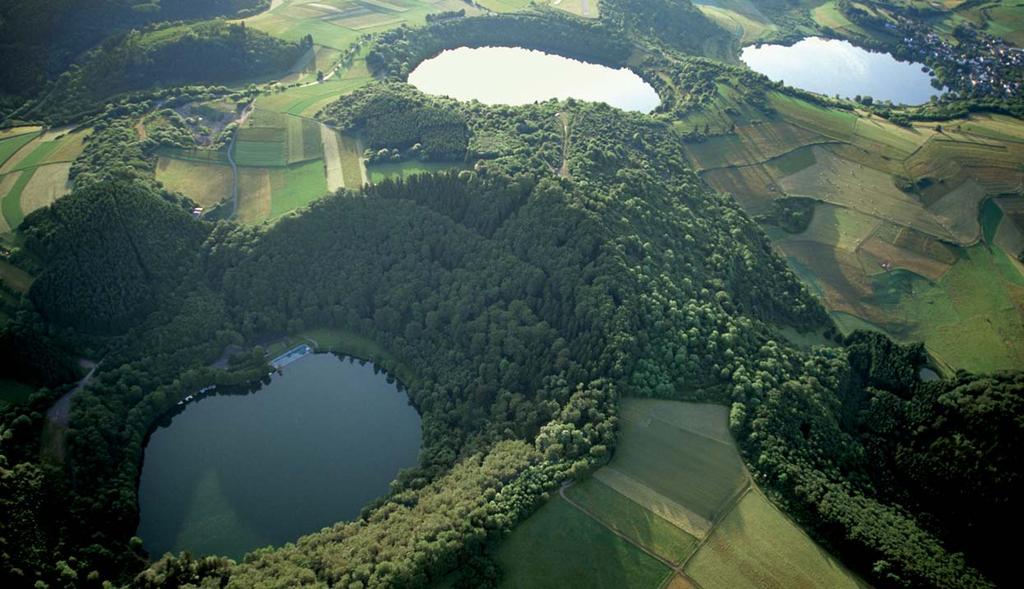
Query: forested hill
(166, 55)
(109, 252)
(40, 38)
(676, 24)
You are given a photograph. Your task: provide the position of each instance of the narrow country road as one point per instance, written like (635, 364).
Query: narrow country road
(231, 159)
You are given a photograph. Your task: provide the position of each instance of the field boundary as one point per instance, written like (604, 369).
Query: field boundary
(674, 569)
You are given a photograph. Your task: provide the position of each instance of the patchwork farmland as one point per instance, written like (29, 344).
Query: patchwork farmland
(284, 163)
(34, 169)
(896, 228)
(675, 507)
(335, 24)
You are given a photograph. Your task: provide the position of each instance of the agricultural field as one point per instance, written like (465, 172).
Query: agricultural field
(281, 167)
(205, 183)
(267, 193)
(757, 546)
(895, 240)
(677, 492)
(560, 546)
(336, 24)
(581, 8)
(742, 18)
(343, 160)
(34, 170)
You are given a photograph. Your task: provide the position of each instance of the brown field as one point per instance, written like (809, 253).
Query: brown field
(753, 186)
(332, 159)
(253, 195)
(48, 183)
(15, 131)
(71, 146)
(872, 192)
(958, 210)
(206, 184)
(839, 276)
(680, 582)
(876, 251)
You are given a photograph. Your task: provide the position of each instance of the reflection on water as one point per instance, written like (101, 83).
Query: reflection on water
(513, 75)
(236, 472)
(830, 67)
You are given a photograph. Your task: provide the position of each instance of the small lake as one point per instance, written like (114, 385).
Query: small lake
(830, 67)
(515, 76)
(236, 472)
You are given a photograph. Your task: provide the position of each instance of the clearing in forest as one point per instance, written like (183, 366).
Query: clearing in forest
(688, 506)
(205, 183)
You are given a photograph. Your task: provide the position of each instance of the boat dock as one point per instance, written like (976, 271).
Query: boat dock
(291, 356)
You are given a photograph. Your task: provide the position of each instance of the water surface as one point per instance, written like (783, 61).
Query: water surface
(233, 473)
(515, 76)
(830, 67)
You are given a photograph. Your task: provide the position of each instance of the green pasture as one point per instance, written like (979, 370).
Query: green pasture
(739, 17)
(560, 547)
(307, 100)
(14, 278)
(633, 520)
(296, 186)
(206, 183)
(336, 24)
(698, 472)
(970, 318)
(683, 452)
(757, 546)
(381, 172)
(11, 145)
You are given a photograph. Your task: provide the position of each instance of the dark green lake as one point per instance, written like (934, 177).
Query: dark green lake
(236, 472)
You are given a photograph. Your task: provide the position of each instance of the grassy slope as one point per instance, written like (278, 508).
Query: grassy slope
(296, 186)
(10, 145)
(560, 547)
(205, 183)
(378, 172)
(633, 520)
(757, 546)
(968, 295)
(752, 544)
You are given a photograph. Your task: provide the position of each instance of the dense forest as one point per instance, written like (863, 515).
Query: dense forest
(395, 118)
(168, 55)
(518, 306)
(39, 39)
(395, 53)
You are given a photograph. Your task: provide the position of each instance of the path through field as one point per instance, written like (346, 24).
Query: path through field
(231, 159)
(564, 170)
